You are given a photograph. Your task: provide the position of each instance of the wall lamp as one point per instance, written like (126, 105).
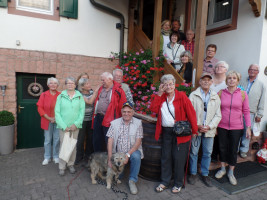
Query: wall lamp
(3, 88)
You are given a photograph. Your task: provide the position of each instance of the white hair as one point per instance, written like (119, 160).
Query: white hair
(222, 63)
(82, 82)
(107, 75)
(70, 78)
(49, 80)
(167, 77)
(255, 65)
(117, 70)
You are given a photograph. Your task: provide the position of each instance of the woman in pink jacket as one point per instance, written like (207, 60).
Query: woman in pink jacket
(234, 104)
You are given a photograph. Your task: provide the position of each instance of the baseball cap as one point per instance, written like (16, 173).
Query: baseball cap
(127, 103)
(205, 74)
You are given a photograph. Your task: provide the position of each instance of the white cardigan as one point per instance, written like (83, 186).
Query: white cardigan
(170, 53)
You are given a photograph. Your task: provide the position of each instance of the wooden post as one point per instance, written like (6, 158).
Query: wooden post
(200, 33)
(156, 32)
(141, 11)
(132, 5)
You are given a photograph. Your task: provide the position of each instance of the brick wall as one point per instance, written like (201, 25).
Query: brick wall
(62, 65)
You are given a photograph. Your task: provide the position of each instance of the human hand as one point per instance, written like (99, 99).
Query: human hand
(248, 133)
(126, 160)
(73, 127)
(257, 119)
(162, 89)
(169, 61)
(52, 120)
(67, 129)
(109, 163)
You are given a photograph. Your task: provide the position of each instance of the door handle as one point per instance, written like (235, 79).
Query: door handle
(20, 108)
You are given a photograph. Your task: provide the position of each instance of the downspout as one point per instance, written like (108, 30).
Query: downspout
(118, 14)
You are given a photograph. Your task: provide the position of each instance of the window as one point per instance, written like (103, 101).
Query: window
(40, 6)
(222, 15)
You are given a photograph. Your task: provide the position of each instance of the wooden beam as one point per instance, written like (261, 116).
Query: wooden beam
(140, 11)
(256, 7)
(200, 33)
(156, 33)
(132, 4)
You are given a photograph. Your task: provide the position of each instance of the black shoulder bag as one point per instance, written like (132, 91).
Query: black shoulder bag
(181, 128)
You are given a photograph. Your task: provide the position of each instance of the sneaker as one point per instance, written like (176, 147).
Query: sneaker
(192, 179)
(232, 179)
(206, 180)
(72, 170)
(220, 174)
(243, 155)
(45, 162)
(56, 160)
(132, 186)
(61, 172)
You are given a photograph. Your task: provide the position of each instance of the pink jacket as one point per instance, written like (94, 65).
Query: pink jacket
(233, 108)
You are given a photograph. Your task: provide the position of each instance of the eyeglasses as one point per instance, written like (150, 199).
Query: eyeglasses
(70, 83)
(211, 50)
(168, 85)
(253, 70)
(205, 106)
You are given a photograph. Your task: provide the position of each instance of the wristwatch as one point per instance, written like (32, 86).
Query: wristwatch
(128, 155)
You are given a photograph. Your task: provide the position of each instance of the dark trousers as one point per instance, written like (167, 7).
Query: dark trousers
(228, 145)
(100, 139)
(215, 151)
(173, 158)
(85, 133)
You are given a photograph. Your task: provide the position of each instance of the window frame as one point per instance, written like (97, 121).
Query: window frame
(36, 10)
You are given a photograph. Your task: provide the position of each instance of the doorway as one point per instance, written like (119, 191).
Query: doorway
(29, 88)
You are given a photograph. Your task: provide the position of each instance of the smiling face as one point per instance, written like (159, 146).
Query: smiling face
(190, 35)
(205, 83)
(86, 86)
(118, 76)
(232, 80)
(170, 86)
(211, 52)
(106, 82)
(253, 71)
(175, 25)
(184, 59)
(220, 69)
(166, 26)
(53, 85)
(70, 85)
(127, 114)
(174, 38)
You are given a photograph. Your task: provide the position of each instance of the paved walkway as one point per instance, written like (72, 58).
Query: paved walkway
(23, 177)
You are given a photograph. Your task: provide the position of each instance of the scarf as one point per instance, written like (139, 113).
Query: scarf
(163, 32)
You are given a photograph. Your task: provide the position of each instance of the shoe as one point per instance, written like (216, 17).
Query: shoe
(56, 160)
(132, 186)
(243, 155)
(192, 179)
(220, 174)
(160, 188)
(176, 190)
(232, 179)
(206, 180)
(61, 172)
(72, 170)
(45, 162)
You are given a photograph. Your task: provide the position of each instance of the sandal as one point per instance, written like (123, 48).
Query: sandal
(176, 190)
(160, 188)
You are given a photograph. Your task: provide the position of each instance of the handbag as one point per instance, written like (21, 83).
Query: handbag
(67, 146)
(181, 128)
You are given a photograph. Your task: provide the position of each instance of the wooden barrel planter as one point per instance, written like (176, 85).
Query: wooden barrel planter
(150, 165)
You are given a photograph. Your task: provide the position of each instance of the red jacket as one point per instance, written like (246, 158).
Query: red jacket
(44, 107)
(118, 98)
(183, 111)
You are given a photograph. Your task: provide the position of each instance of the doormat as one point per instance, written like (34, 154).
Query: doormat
(248, 174)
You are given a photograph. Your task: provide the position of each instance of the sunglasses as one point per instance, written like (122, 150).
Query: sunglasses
(205, 106)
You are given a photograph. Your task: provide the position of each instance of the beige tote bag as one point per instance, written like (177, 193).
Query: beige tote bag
(67, 146)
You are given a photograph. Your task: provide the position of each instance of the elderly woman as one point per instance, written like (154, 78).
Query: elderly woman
(173, 51)
(219, 77)
(69, 112)
(234, 104)
(86, 131)
(82, 75)
(172, 106)
(46, 105)
(165, 34)
(187, 66)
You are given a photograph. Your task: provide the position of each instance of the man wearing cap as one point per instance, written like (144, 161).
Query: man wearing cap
(125, 135)
(206, 103)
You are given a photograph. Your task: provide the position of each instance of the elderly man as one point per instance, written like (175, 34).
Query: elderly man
(189, 43)
(176, 25)
(210, 60)
(118, 77)
(256, 95)
(108, 104)
(207, 106)
(125, 135)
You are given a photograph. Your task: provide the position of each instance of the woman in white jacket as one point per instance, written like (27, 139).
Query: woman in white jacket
(173, 51)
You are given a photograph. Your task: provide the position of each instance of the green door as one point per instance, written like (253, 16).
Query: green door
(29, 88)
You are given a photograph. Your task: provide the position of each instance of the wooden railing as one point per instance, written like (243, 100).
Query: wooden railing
(141, 41)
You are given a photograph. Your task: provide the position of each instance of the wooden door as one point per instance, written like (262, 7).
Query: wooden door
(29, 88)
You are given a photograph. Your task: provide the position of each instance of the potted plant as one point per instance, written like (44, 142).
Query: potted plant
(6, 132)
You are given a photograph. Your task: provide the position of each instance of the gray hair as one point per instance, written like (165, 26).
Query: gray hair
(70, 78)
(82, 82)
(167, 77)
(255, 65)
(117, 70)
(188, 54)
(107, 75)
(52, 79)
(225, 64)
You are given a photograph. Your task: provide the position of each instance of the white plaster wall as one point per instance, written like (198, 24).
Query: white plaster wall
(245, 45)
(94, 33)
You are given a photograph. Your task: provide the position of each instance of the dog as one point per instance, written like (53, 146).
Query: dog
(98, 163)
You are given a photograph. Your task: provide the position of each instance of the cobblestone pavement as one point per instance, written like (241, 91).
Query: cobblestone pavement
(23, 177)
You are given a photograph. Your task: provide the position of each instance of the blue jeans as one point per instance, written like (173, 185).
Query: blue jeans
(52, 134)
(244, 145)
(207, 145)
(135, 163)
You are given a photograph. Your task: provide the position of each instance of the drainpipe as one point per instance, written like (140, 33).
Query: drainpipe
(118, 14)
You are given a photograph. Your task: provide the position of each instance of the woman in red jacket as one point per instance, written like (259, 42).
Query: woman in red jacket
(174, 149)
(46, 106)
